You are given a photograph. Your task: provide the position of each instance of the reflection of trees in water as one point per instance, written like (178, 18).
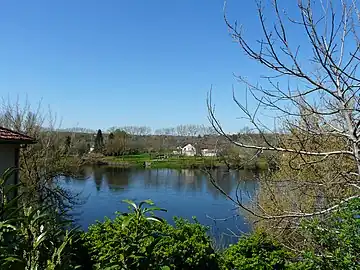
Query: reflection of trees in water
(117, 178)
(188, 173)
(82, 174)
(178, 180)
(193, 180)
(88, 171)
(229, 180)
(98, 177)
(223, 179)
(67, 179)
(158, 178)
(196, 180)
(189, 180)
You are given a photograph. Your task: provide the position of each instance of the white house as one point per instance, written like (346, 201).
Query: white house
(208, 152)
(10, 142)
(188, 150)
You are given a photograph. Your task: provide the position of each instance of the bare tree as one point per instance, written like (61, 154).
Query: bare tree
(181, 130)
(43, 164)
(159, 131)
(135, 130)
(312, 91)
(169, 131)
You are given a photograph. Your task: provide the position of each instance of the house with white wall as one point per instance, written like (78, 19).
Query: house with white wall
(10, 144)
(188, 150)
(208, 152)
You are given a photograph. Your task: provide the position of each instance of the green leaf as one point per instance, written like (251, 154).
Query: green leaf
(7, 174)
(157, 219)
(126, 221)
(12, 259)
(8, 226)
(39, 239)
(130, 202)
(149, 202)
(151, 209)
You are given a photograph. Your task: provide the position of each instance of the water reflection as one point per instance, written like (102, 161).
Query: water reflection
(183, 193)
(117, 179)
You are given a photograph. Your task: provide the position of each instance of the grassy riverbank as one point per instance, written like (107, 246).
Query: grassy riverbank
(171, 162)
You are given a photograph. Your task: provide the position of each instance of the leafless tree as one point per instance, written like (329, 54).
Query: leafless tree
(159, 131)
(181, 130)
(209, 131)
(136, 130)
(312, 92)
(42, 164)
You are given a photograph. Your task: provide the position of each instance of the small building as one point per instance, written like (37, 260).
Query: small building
(188, 150)
(10, 144)
(208, 152)
(177, 151)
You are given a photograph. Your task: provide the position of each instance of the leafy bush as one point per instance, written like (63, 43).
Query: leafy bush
(34, 237)
(330, 243)
(257, 251)
(186, 246)
(334, 242)
(139, 240)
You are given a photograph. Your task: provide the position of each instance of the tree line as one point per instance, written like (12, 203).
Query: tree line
(180, 130)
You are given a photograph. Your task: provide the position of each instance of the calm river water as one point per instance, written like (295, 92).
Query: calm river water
(184, 193)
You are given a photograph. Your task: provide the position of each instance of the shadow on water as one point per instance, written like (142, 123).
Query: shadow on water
(184, 193)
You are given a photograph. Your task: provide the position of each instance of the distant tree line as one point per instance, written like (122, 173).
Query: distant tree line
(117, 141)
(180, 130)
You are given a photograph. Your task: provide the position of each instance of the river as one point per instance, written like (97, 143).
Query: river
(184, 193)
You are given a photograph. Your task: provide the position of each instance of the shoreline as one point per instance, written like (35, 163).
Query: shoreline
(144, 161)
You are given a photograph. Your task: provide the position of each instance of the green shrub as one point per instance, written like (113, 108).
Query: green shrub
(185, 246)
(257, 251)
(34, 237)
(139, 240)
(334, 242)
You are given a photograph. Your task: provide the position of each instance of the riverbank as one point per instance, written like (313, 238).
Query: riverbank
(165, 162)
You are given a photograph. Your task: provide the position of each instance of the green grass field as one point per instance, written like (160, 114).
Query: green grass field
(169, 162)
(174, 162)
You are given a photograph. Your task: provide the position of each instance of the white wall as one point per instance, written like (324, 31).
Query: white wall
(189, 154)
(7, 159)
(188, 150)
(209, 154)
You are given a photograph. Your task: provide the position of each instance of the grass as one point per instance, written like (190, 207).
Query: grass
(173, 162)
(170, 162)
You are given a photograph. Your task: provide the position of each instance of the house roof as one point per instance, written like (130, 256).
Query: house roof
(10, 136)
(189, 145)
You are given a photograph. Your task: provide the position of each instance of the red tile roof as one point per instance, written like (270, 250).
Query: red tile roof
(7, 135)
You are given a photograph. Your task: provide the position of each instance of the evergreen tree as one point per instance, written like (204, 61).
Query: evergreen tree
(99, 142)
(67, 143)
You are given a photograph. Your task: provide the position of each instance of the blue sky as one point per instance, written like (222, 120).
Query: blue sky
(114, 63)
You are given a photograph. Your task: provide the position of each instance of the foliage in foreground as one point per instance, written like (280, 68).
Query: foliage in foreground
(334, 242)
(140, 240)
(34, 237)
(137, 240)
(257, 251)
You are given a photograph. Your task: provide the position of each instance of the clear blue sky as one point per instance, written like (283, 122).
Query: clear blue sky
(114, 63)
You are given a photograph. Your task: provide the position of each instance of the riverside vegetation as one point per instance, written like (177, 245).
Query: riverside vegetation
(306, 212)
(38, 237)
(156, 161)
